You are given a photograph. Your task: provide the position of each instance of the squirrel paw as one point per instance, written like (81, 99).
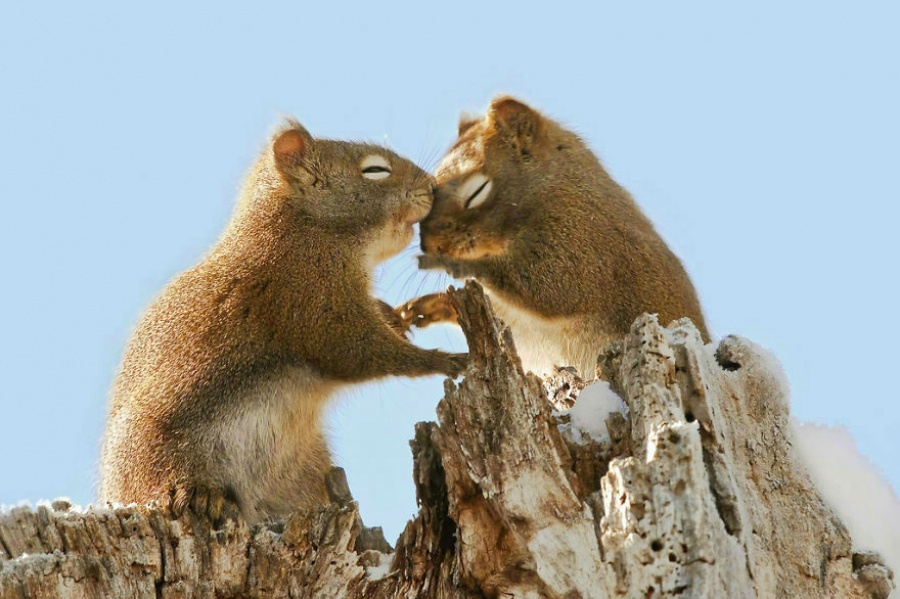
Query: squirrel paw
(458, 362)
(394, 318)
(216, 504)
(452, 267)
(426, 310)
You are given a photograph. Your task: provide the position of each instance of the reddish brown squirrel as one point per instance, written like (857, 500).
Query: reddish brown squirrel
(568, 258)
(222, 386)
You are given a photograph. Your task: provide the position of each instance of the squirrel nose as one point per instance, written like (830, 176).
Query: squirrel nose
(436, 225)
(429, 245)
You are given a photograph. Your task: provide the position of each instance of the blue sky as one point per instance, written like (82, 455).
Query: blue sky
(763, 141)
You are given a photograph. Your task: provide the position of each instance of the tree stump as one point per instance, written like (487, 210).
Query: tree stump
(697, 494)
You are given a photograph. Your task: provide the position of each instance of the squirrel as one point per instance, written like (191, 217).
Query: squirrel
(568, 259)
(221, 389)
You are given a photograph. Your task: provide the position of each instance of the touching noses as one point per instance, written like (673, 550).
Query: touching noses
(433, 229)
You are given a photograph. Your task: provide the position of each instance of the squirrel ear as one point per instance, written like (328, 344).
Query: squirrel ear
(291, 146)
(466, 121)
(514, 118)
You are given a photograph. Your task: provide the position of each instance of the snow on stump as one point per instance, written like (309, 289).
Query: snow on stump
(695, 493)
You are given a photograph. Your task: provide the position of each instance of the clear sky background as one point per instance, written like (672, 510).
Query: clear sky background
(763, 141)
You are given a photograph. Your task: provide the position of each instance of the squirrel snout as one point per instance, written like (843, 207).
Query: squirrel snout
(422, 193)
(418, 205)
(433, 231)
(429, 245)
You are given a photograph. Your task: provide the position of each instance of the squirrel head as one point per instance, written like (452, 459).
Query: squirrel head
(493, 180)
(356, 190)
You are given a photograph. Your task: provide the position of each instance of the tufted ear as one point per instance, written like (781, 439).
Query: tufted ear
(291, 147)
(466, 121)
(514, 119)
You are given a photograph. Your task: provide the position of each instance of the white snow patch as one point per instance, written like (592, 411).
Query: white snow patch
(770, 363)
(854, 488)
(384, 565)
(30, 563)
(588, 416)
(73, 507)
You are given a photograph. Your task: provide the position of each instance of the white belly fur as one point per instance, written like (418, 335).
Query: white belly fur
(270, 442)
(545, 343)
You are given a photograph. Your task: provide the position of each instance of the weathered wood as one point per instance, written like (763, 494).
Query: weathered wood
(697, 494)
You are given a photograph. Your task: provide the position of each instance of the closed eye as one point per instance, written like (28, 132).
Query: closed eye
(375, 166)
(476, 190)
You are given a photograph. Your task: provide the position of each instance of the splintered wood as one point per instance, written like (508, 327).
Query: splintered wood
(697, 494)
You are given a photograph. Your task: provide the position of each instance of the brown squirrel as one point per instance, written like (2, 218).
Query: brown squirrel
(568, 258)
(222, 386)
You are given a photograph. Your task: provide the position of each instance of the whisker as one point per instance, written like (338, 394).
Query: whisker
(405, 267)
(431, 151)
(412, 275)
(422, 282)
(425, 150)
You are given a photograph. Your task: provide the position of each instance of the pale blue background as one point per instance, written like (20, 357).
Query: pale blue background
(763, 141)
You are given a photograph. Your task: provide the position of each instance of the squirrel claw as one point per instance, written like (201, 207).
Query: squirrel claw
(429, 262)
(215, 504)
(395, 319)
(427, 310)
(451, 266)
(460, 362)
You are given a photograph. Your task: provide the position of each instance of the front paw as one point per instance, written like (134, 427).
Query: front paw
(431, 262)
(395, 319)
(457, 364)
(452, 267)
(426, 310)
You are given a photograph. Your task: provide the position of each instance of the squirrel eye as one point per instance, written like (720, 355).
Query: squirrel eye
(476, 190)
(375, 167)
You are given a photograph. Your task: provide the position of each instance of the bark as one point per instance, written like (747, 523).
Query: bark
(698, 493)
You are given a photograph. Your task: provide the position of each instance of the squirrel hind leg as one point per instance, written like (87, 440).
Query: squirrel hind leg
(217, 504)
